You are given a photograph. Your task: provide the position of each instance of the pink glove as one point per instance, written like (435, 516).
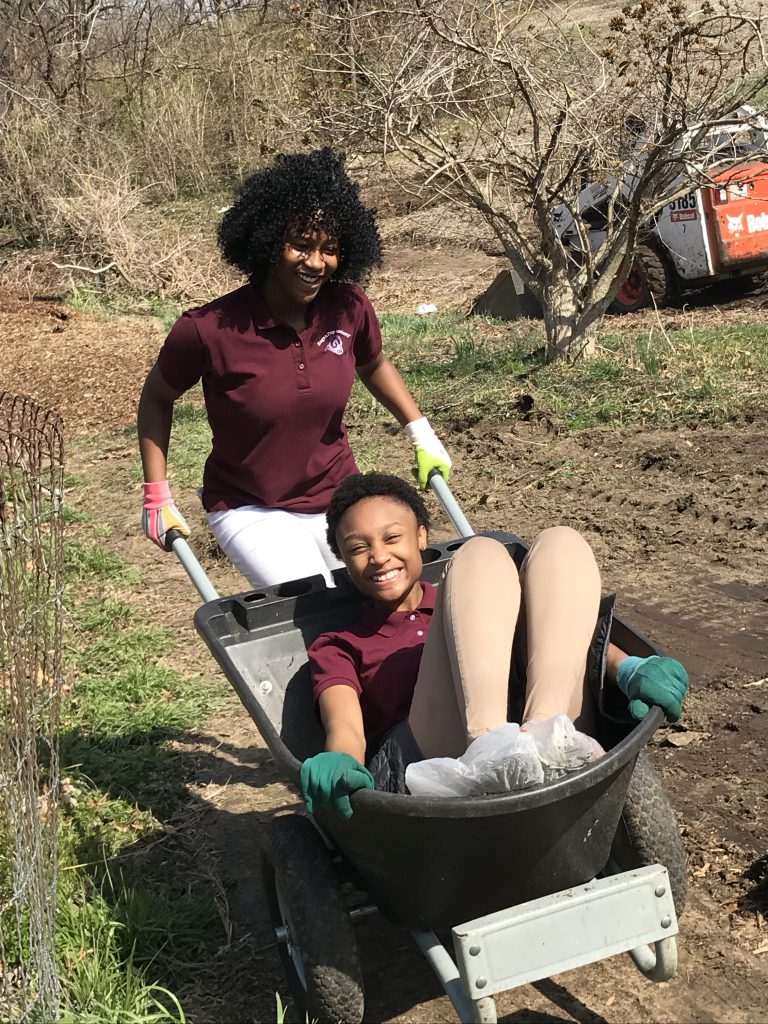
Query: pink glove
(160, 514)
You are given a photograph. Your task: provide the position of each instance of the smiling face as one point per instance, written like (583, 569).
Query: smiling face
(381, 544)
(309, 258)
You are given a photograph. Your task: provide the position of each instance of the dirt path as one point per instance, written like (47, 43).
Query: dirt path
(679, 522)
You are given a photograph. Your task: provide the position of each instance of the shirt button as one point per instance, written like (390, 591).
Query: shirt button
(419, 632)
(301, 366)
(413, 617)
(297, 344)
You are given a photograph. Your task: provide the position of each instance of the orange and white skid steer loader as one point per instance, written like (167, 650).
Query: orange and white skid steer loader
(716, 231)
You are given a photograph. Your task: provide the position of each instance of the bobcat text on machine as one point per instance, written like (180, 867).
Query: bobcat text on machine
(712, 233)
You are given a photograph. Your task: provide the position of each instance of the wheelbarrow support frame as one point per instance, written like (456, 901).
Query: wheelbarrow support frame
(631, 912)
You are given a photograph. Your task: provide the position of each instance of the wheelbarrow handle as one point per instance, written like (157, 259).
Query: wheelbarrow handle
(450, 505)
(176, 542)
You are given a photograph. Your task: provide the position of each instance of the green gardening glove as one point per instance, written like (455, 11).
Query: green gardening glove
(654, 680)
(328, 779)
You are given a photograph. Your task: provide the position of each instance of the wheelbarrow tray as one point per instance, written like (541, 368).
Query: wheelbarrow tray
(428, 863)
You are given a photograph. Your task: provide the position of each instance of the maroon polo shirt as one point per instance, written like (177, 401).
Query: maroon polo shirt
(275, 398)
(379, 658)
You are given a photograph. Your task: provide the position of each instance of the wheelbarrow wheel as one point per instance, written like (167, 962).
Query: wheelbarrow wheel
(648, 832)
(315, 935)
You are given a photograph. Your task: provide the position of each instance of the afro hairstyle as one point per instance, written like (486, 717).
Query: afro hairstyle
(372, 485)
(304, 190)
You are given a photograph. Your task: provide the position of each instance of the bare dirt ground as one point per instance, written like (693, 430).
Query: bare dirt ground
(679, 522)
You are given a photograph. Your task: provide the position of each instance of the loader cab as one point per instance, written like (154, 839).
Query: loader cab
(714, 228)
(729, 144)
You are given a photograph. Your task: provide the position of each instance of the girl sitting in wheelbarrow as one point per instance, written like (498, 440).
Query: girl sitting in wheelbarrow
(426, 672)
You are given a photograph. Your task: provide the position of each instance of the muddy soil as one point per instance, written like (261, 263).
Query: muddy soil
(679, 522)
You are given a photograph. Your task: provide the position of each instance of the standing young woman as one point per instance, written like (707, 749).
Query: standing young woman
(277, 359)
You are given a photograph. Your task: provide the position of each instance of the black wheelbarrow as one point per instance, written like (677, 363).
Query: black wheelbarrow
(529, 884)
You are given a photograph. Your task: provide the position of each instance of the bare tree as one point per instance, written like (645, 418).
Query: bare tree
(510, 106)
(55, 43)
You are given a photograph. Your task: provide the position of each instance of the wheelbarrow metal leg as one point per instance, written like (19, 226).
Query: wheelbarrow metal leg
(657, 962)
(470, 1011)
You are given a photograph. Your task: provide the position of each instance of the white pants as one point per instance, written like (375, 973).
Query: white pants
(271, 546)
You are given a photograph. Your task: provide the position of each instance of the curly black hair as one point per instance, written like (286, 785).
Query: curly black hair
(300, 190)
(372, 485)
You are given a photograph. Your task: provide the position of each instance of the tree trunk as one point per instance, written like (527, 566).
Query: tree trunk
(567, 336)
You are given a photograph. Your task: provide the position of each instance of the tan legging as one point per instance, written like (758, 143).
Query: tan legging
(461, 690)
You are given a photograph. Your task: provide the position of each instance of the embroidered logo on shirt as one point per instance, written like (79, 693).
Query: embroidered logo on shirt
(334, 341)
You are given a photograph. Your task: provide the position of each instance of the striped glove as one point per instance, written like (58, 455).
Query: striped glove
(430, 453)
(160, 514)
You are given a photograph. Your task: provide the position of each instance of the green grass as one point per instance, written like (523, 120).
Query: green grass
(122, 689)
(133, 905)
(190, 443)
(73, 515)
(103, 980)
(706, 375)
(465, 370)
(401, 327)
(125, 707)
(108, 305)
(461, 369)
(93, 563)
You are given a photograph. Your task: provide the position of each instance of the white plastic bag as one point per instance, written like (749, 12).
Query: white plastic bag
(500, 761)
(561, 747)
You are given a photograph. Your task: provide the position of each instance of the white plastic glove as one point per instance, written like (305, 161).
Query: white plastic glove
(430, 453)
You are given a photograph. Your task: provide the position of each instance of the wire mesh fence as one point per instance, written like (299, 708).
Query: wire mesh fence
(31, 585)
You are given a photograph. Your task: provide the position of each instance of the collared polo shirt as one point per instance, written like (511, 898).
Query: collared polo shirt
(379, 658)
(275, 397)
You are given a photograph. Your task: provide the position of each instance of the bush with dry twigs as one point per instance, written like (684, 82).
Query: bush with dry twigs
(112, 109)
